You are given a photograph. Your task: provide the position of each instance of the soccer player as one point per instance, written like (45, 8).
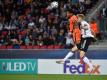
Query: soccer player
(87, 38)
(77, 45)
(75, 31)
(82, 46)
(72, 19)
(95, 29)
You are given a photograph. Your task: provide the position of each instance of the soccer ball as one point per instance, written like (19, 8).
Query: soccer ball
(54, 4)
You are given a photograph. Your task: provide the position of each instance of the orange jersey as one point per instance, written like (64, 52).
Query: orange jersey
(94, 27)
(76, 35)
(71, 21)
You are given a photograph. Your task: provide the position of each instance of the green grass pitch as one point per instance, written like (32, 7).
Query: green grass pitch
(52, 77)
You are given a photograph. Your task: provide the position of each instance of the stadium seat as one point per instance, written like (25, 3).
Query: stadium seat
(3, 47)
(27, 30)
(10, 47)
(22, 47)
(62, 47)
(43, 47)
(4, 33)
(50, 47)
(57, 47)
(36, 47)
(16, 46)
(29, 47)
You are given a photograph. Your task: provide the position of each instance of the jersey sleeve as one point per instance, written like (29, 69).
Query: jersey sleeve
(76, 35)
(84, 25)
(71, 21)
(71, 25)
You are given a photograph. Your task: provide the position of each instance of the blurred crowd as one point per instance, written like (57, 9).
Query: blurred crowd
(30, 22)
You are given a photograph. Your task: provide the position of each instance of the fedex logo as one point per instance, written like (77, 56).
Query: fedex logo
(81, 68)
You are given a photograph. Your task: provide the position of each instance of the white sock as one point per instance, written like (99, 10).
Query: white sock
(70, 54)
(86, 60)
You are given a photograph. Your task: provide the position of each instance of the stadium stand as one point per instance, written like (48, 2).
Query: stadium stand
(28, 24)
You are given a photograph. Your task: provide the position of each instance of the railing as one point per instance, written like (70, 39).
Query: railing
(97, 7)
(102, 21)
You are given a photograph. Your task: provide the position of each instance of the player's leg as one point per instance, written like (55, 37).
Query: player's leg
(70, 54)
(85, 45)
(86, 60)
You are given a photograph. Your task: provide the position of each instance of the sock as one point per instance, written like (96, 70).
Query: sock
(70, 54)
(86, 60)
(81, 61)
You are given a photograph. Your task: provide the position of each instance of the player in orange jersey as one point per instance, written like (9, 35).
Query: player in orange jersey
(72, 19)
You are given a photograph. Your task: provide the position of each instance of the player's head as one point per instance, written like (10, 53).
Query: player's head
(92, 20)
(80, 17)
(69, 13)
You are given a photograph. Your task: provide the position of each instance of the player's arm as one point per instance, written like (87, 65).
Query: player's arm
(78, 36)
(84, 26)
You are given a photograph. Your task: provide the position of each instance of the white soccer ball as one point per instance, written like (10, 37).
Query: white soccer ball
(54, 4)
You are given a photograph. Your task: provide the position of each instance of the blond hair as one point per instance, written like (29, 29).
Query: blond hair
(81, 16)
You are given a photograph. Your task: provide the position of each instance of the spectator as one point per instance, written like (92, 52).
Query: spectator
(42, 21)
(27, 40)
(69, 41)
(20, 41)
(81, 1)
(46, 38)
(30, 22)
(104, 11)
(34, 34)
(95, 29)
(61, 37)
(40, 41)
(53, 40)
(2, 40)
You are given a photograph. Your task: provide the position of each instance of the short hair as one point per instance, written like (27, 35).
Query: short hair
(81, 16)
(70, 11)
